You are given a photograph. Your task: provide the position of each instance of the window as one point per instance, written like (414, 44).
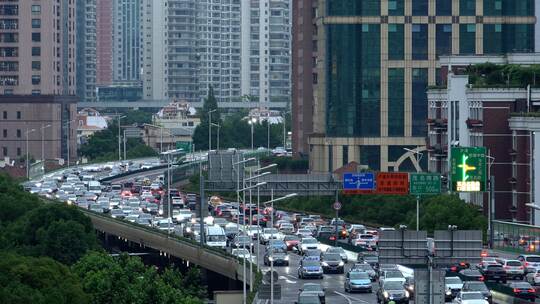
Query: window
(5, 133)
(36, 79)
(370, 156)
(36, 9)
(467, 39)
(419, 41)
(19, 152)
(443, 39)
(396, 42)
(5, 151)
(19, 133)
(36, 37)
(345, 155)
(467, 7)
(419, 102)
(420, 7)
(19, 115)
(36, 92)
(396, 7)
(36, 65)
(396, 102)
(36, 23)
(444, 8)
(4, 115)
(354, 8)
(36, 51)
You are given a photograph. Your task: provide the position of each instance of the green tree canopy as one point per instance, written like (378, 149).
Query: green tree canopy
(15, 201)
(127, 280)
(37, 280)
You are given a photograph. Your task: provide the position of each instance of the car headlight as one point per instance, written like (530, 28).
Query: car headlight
(410, 287)
(160, 212)
(188, 230)
(385, 294)
(286, 258)
(407, 294)
(324, 264)
(448, 292)
(271, 259)
(341, 263)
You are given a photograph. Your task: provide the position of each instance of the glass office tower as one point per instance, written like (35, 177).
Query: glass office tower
(376, 59)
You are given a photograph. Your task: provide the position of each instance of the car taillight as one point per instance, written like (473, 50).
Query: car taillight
(506, 267)
(521, 267)
(532, 290)
(481, 278)
(453, 268)
(516, 290)
(462, 264)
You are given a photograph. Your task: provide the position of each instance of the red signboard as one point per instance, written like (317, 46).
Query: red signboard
(396, 183)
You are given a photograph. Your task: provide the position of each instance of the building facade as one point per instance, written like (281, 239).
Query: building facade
(48, 121)
(86, 50)
(468, 112)
(267, 43)
(154, 33)
(126, 63)
(304, 72)
(376, 59)
(104, 41)
(37, 47)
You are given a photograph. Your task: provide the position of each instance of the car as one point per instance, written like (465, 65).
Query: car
(286, 228)
(291, 241)
(307, 298)
(326, 231)
(478, 287)
(279, 244)
(470, 297)
(370, 259)
(365, 240)
(331, 262)
(117, 213)
(523, 290)
(270, 233)
(313, 254)
(494, 272)
(453, 286)
(471, 275)
(308, 243)
(304, 232)
(358, 281)
(530, 261)
(309, 268)
(533, 277)
(242, 241)
(276, 257)
(339, 251)
(514, 269)
(392, 291)
(365, 268)
(241, 253)
(393, 275)
(314, 288)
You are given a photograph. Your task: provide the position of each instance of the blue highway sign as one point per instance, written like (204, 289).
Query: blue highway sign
(364, 181)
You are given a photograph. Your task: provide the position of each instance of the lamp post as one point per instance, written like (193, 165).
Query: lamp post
(68, 141)
(272, 201)
(28, 153)
(169, 165)
(210, 129)
(119, 141)
(218, 131)
(418, 156)
(252, 122)
(124, 139)
(43, 141)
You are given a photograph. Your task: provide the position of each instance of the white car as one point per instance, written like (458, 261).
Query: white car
(308, 243)
(270, 233)
(241, 253)
(453, 286)
(393, 276)
(182, 215)
(304, 232)
(470, 297)
(533, 277)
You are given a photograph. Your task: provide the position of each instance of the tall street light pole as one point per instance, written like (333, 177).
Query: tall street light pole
(252, 122)
(119, 140)
(28, 153)
(218, 131)
(418, 157)
(210, 130)
(43, 141)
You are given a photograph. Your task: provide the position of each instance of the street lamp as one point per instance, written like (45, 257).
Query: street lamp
(418, 157)
(218, 131)
(27, 153)
(119, 140)
(43, 141)
(68, 124)
(210, 129)
(272, 201)
(169, 153)
(252, 122)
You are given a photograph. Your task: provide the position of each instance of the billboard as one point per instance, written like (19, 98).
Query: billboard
(396, 183)
(468, 169)
(358, 183)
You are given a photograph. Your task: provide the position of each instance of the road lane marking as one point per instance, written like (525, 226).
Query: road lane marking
(350, 299)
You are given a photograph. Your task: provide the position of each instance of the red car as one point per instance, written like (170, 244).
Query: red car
(291, 241)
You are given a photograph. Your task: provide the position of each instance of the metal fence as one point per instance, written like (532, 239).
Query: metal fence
(515, 237)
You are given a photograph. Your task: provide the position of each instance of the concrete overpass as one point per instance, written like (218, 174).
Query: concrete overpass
(161, 103)
(212, 259)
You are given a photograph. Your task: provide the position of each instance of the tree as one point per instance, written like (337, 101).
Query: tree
(58, 231)
(127, 280)
(37, 280)
(200, 135)
(15, 201)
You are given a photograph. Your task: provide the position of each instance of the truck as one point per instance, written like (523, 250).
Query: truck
(215, 236)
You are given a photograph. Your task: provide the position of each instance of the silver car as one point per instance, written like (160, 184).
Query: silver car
(514, 268)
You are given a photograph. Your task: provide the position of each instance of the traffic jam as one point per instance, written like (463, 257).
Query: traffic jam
(289, 242)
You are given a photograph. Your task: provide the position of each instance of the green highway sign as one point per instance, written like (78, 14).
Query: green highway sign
(184, 145)
(425, 183)
(468, 169)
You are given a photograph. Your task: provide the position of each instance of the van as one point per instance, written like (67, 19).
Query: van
(215, 236)
(94, 187)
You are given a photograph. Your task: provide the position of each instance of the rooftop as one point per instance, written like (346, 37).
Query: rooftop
(503, 75)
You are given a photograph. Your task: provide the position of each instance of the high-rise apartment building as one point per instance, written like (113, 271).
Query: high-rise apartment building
(304, 72)
(266, 39)
(86, 50)
(126, 63)
(104, 42)
(37, 47)
(376, 59)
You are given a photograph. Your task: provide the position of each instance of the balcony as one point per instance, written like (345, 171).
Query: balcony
(474, 123)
